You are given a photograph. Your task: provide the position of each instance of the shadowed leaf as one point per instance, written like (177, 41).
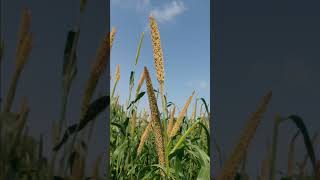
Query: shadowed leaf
(69, 60)
(94, 110)
(304, 131)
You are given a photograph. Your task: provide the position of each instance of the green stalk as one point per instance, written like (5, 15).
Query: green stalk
(131, 83)
(61, 122)
(167, 146)
(164, 105)
(165, 124)
(179, 143)
(272, 172)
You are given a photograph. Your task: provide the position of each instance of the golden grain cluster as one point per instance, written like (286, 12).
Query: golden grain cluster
(231, 166)
(144, 137)
(155, 119)
(161, 125)
(23, 50)
(117, 72)
(177, 124)
(171, 120)
(157, 50)
(140, 83)
(98, 68)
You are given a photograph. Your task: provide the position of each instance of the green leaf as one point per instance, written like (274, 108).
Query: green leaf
(131, 78)
(204, 162)
(139, 96)
(120, 151)
(178, 167)
(205, 104)
(204, 172)
(208, 136)
(122, 129)
(183, 138)
(139, 48)
(170, 104)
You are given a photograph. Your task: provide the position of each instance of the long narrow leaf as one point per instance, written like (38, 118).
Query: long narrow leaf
(94, 110)
(307, 141)
(182, 139)
(205, 104)
(139, 48)
(139, 96)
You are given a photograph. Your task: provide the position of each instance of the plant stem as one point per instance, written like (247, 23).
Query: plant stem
(113, 89)
(272, 172)
(164, 104)
(12, 91)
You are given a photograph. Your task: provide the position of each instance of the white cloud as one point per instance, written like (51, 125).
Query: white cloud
(138, 4)
(165, 13)
(169, 11)
(200, 83)
(203, 84)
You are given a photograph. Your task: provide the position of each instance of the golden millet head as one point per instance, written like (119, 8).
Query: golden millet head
(117, 78)
(157, 50)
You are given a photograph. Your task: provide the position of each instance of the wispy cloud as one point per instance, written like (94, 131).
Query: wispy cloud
(169, 11)
(163, 13)
(199, 83)
(138, 4)
(203, 84)
(141, 4)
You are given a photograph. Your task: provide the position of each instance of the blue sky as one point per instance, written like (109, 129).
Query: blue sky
(184, 27)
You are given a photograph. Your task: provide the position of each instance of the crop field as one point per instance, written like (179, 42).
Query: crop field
(22, 156)
(153, 135)
(154, 143)
(234, 167)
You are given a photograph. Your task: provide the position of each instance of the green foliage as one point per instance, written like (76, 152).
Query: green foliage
(188, 158)
(22, 157)
(187, 154)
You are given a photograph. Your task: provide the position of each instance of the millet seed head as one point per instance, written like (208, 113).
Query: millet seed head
(176, 126)
(141, 80)
(155, 116)
(112, 35)
(230, 168)
(24, 27)
(144, 137)
(157, 50)
(117, 78)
